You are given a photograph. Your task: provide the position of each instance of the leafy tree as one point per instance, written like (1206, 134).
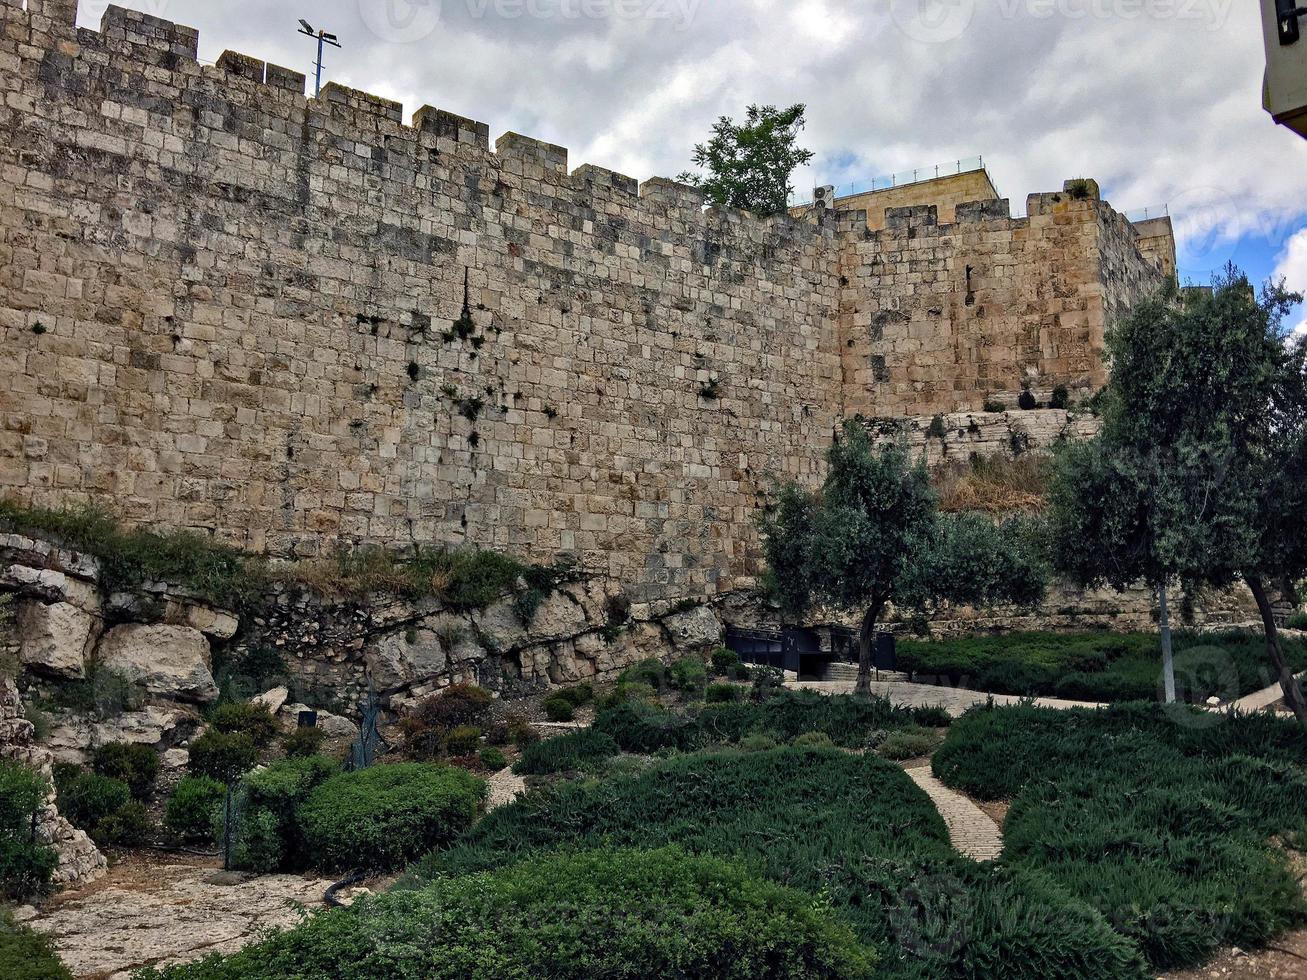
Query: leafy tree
(749, 165)
(1198, 473)
(873, 535)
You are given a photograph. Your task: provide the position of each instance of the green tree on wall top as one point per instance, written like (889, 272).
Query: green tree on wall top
(749, 165)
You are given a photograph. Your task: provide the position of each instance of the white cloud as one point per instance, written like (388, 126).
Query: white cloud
(1291, 266)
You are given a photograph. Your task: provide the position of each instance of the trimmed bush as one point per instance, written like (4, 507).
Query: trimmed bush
(101, 806)
(461, 704)
(194, 808)
(651, 672)
(575, 752)
(463, 740)
(303, 742)
(224, 756)
(493, 759)
(245, 718)
(813, 740)
(25, 865)
(688, 674)
(559, 709)
(578, 696)
(724, 660)
(135, 765)
(722, 693)
(1298, 621)
(911, 743)
(268, 837)
(620, 915)
(758, 743)
(27, 955)
(382, 817)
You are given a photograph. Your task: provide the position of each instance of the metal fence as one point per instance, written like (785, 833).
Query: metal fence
(903, 178)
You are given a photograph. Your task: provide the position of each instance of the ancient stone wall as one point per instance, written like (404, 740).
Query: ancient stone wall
(300, 322)
(946, 193)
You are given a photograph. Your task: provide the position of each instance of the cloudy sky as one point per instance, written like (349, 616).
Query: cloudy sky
(1160, 100)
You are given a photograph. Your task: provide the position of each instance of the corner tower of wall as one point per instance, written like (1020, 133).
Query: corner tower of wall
(941, 317)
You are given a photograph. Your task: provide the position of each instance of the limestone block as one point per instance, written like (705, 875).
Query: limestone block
(272, 700)
(406, 657)
(54, 639)
(333, 726)
(170, 661)
(699, 629)
(72, 737)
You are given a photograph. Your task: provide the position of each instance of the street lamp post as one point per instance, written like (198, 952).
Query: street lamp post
(323, 38)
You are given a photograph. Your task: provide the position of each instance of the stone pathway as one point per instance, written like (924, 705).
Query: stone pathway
(954, 700)
(969, 828)
(504, 787)
(1264, 698)
(159, 914)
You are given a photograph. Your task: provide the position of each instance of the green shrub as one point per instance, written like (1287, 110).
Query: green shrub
(382, 817)
(268, 835)
(461, 704)
(493, 759)
(25, 865)
(767, 682)
(463, 740)
(27, 955)
(994, 406)
(578, 696)
(688, 674)
(1157, 817)
(303, 742)
(854, 829)
(519, 731)
(224, 756)
(559, 710)
(724, 660)
(135, 765)
(247, 718)
(758, 743)
(104, 693)
(651, 672)
(574, 752)
(1298, 621)
(912, 743)
(813, 740)
(193, 808)
(722, 693)
(621, 915)
(87, 798)
(128, 826)
(1061, 397)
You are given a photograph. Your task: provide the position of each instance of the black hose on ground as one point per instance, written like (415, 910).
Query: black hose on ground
(347, 882)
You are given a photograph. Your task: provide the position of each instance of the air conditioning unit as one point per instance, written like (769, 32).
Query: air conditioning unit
(1285, 94)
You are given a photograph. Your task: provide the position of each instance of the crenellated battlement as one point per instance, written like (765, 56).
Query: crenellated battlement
(296, 322)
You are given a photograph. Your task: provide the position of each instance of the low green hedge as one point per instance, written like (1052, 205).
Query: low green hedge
(1159, 818)
(620, 915)
(1101, 667)
(852, 828)
(383, 817)
(849, 721)
(573, 752)
(101, 806)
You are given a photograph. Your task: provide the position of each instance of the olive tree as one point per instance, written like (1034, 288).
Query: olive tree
(1197, 473)
(873, 536)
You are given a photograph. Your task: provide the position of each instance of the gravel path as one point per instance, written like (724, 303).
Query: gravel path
(954, 700)
(504, 787)
(969, 828)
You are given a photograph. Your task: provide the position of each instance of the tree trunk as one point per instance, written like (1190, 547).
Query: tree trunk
(1293, 695)
(1168, 659)
(865, 641)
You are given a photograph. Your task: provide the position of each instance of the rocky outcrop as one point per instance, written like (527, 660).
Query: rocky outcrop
(73, 736)
(168, 661)
(80, 861)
